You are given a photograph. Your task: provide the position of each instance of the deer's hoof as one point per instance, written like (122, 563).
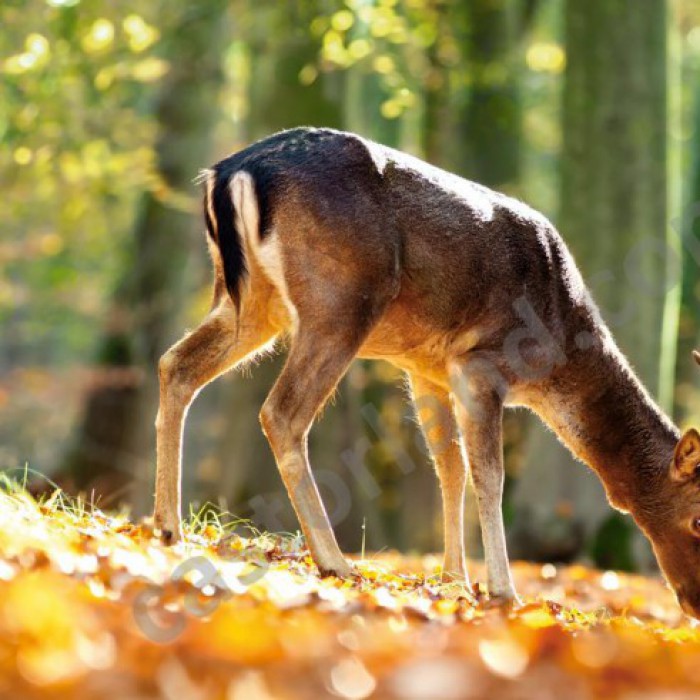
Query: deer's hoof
(168, 537)
(508, 600)
(168, 534)
(339, 570)
(455, 577)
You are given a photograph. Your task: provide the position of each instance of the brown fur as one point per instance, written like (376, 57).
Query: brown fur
(355, 250)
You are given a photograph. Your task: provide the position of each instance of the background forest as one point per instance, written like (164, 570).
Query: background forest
(589, 111)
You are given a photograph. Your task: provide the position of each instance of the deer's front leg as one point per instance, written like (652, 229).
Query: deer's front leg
(479, 412)
(434, 411)
(199, 357)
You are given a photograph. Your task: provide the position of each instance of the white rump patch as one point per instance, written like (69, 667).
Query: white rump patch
(245, 205)
(268, 253)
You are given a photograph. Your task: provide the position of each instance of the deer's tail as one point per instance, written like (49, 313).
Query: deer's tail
(224, 194)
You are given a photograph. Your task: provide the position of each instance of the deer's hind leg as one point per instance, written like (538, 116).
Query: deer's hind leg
(337, 282)
(435, 414)
(320, 353)
(218, 344)
(333, 318)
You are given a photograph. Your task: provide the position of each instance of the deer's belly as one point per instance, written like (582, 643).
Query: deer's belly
(414, 344)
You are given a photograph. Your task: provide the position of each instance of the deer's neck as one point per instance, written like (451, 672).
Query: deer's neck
(604, 415)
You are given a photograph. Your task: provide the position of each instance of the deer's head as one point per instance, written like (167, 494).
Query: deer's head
(674, 528)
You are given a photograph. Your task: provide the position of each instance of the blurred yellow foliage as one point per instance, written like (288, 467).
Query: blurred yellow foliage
(99, 37)
(22, 155)
(342, 20)
(141, 35)
(150, 69)
(546, 57)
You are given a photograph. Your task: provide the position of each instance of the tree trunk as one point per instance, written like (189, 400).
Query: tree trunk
(614, 217)
(688, 374)
(114, 447)
(489, 120)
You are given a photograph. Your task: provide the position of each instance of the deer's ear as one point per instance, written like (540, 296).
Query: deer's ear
(686, 456)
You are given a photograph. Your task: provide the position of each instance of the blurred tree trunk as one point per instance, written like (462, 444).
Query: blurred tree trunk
(438, 124)
(436, 133)
(114, 446)
(688, 374)
(614, 216)
(488, 120)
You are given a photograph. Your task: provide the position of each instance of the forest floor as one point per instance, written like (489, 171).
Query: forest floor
(92, 606)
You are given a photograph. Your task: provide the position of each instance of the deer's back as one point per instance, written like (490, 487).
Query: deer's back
(461, 258)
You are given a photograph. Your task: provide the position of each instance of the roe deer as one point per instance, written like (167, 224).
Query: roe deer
(353, 249)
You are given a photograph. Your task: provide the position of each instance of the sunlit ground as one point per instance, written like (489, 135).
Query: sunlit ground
(92, 606)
